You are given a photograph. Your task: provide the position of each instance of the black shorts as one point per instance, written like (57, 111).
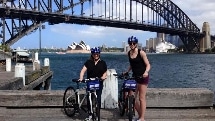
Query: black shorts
(144, 81)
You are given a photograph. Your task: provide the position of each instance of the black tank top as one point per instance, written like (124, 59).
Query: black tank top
(137, 64)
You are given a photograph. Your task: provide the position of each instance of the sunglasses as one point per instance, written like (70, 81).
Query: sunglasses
(130, 43)
(96, 53)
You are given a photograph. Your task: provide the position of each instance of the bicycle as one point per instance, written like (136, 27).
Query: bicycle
(72, 102)
(126, 102)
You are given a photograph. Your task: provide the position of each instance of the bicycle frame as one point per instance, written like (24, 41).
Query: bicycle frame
(73, 101)
(80, 101)
(127, 95)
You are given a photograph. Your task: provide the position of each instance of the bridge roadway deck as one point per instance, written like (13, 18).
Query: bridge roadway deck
(152, 114)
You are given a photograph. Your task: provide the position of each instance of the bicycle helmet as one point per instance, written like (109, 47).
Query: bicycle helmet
(132, 39)
(95, 50)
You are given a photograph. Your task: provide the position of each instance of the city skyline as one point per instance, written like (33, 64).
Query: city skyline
(62, 35)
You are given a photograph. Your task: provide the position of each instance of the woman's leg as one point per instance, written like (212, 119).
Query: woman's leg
(137, 106)
(142, 98)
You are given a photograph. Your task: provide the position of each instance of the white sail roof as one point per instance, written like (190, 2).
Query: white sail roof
(163, 47)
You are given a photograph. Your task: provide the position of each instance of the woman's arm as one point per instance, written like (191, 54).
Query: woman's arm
(129, 68)
(83, 70)
(104, 76)
(146, 61)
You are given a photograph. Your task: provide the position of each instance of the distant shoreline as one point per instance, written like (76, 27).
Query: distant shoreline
(77, 51)
(86, 51)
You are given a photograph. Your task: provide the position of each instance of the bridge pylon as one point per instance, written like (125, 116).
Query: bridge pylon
(205, 42)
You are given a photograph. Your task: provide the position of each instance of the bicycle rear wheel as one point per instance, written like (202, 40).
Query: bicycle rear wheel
(69, 102)
(130, 107)
(96, 108)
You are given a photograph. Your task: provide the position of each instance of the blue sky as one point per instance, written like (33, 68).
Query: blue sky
(62, 35)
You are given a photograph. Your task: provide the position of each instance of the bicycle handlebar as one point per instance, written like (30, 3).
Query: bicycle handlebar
(85, 80)
(126, 76)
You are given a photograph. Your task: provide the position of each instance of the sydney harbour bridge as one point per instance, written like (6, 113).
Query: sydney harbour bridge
(22, 17)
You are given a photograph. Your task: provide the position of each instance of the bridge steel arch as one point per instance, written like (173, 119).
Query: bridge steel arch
(176, 18)
(165, 17)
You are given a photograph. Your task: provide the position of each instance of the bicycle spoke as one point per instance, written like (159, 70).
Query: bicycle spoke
(69, 102)
(121, 104)
(130, 107)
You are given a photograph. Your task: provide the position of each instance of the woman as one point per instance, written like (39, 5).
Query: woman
(95, 67)
(140, 67)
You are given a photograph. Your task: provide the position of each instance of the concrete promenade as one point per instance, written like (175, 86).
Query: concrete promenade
(152, 114)
(19, 102)
(46, 105)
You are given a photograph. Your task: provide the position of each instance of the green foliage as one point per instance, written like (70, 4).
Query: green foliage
(181, 48)
(207, 50)
(4, 48)
(172, 50)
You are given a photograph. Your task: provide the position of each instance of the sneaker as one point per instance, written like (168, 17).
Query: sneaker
(140, 120)
(88, 119)
(135, 118)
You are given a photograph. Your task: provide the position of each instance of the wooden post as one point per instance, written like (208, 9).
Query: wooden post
(47, 84)
(38, 86)
(109, 99)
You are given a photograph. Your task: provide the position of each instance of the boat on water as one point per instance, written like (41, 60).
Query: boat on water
(163, 47)
(21, 56)
(60, 52)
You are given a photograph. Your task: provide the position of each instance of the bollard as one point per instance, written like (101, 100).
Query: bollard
(46, 62)
(36, 62)
(36, 56)
(20, 71)
(8, 64)
(36, 65)
(109, 98)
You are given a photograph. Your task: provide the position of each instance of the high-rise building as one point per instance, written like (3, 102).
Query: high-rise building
(124, 46)
(161, 36)
(151, 44)
(139, 46)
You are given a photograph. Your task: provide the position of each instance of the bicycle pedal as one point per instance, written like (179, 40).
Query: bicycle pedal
(77, 111)
(89, 118)
(95, 119)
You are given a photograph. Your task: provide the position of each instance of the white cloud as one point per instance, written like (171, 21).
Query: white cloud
(199, 11)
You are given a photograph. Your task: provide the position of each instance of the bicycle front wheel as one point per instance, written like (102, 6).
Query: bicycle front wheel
(130, 107)
(121, 103)
(96, 108)
(69, 102)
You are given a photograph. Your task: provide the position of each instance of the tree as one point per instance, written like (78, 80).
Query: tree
(213, 50)
(4, 48)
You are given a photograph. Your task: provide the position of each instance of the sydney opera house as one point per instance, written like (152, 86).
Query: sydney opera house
(78, 48)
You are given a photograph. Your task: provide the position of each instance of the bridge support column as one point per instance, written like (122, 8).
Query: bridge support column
(205, 42)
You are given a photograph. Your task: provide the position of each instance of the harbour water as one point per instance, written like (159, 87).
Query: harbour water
(167, 70)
